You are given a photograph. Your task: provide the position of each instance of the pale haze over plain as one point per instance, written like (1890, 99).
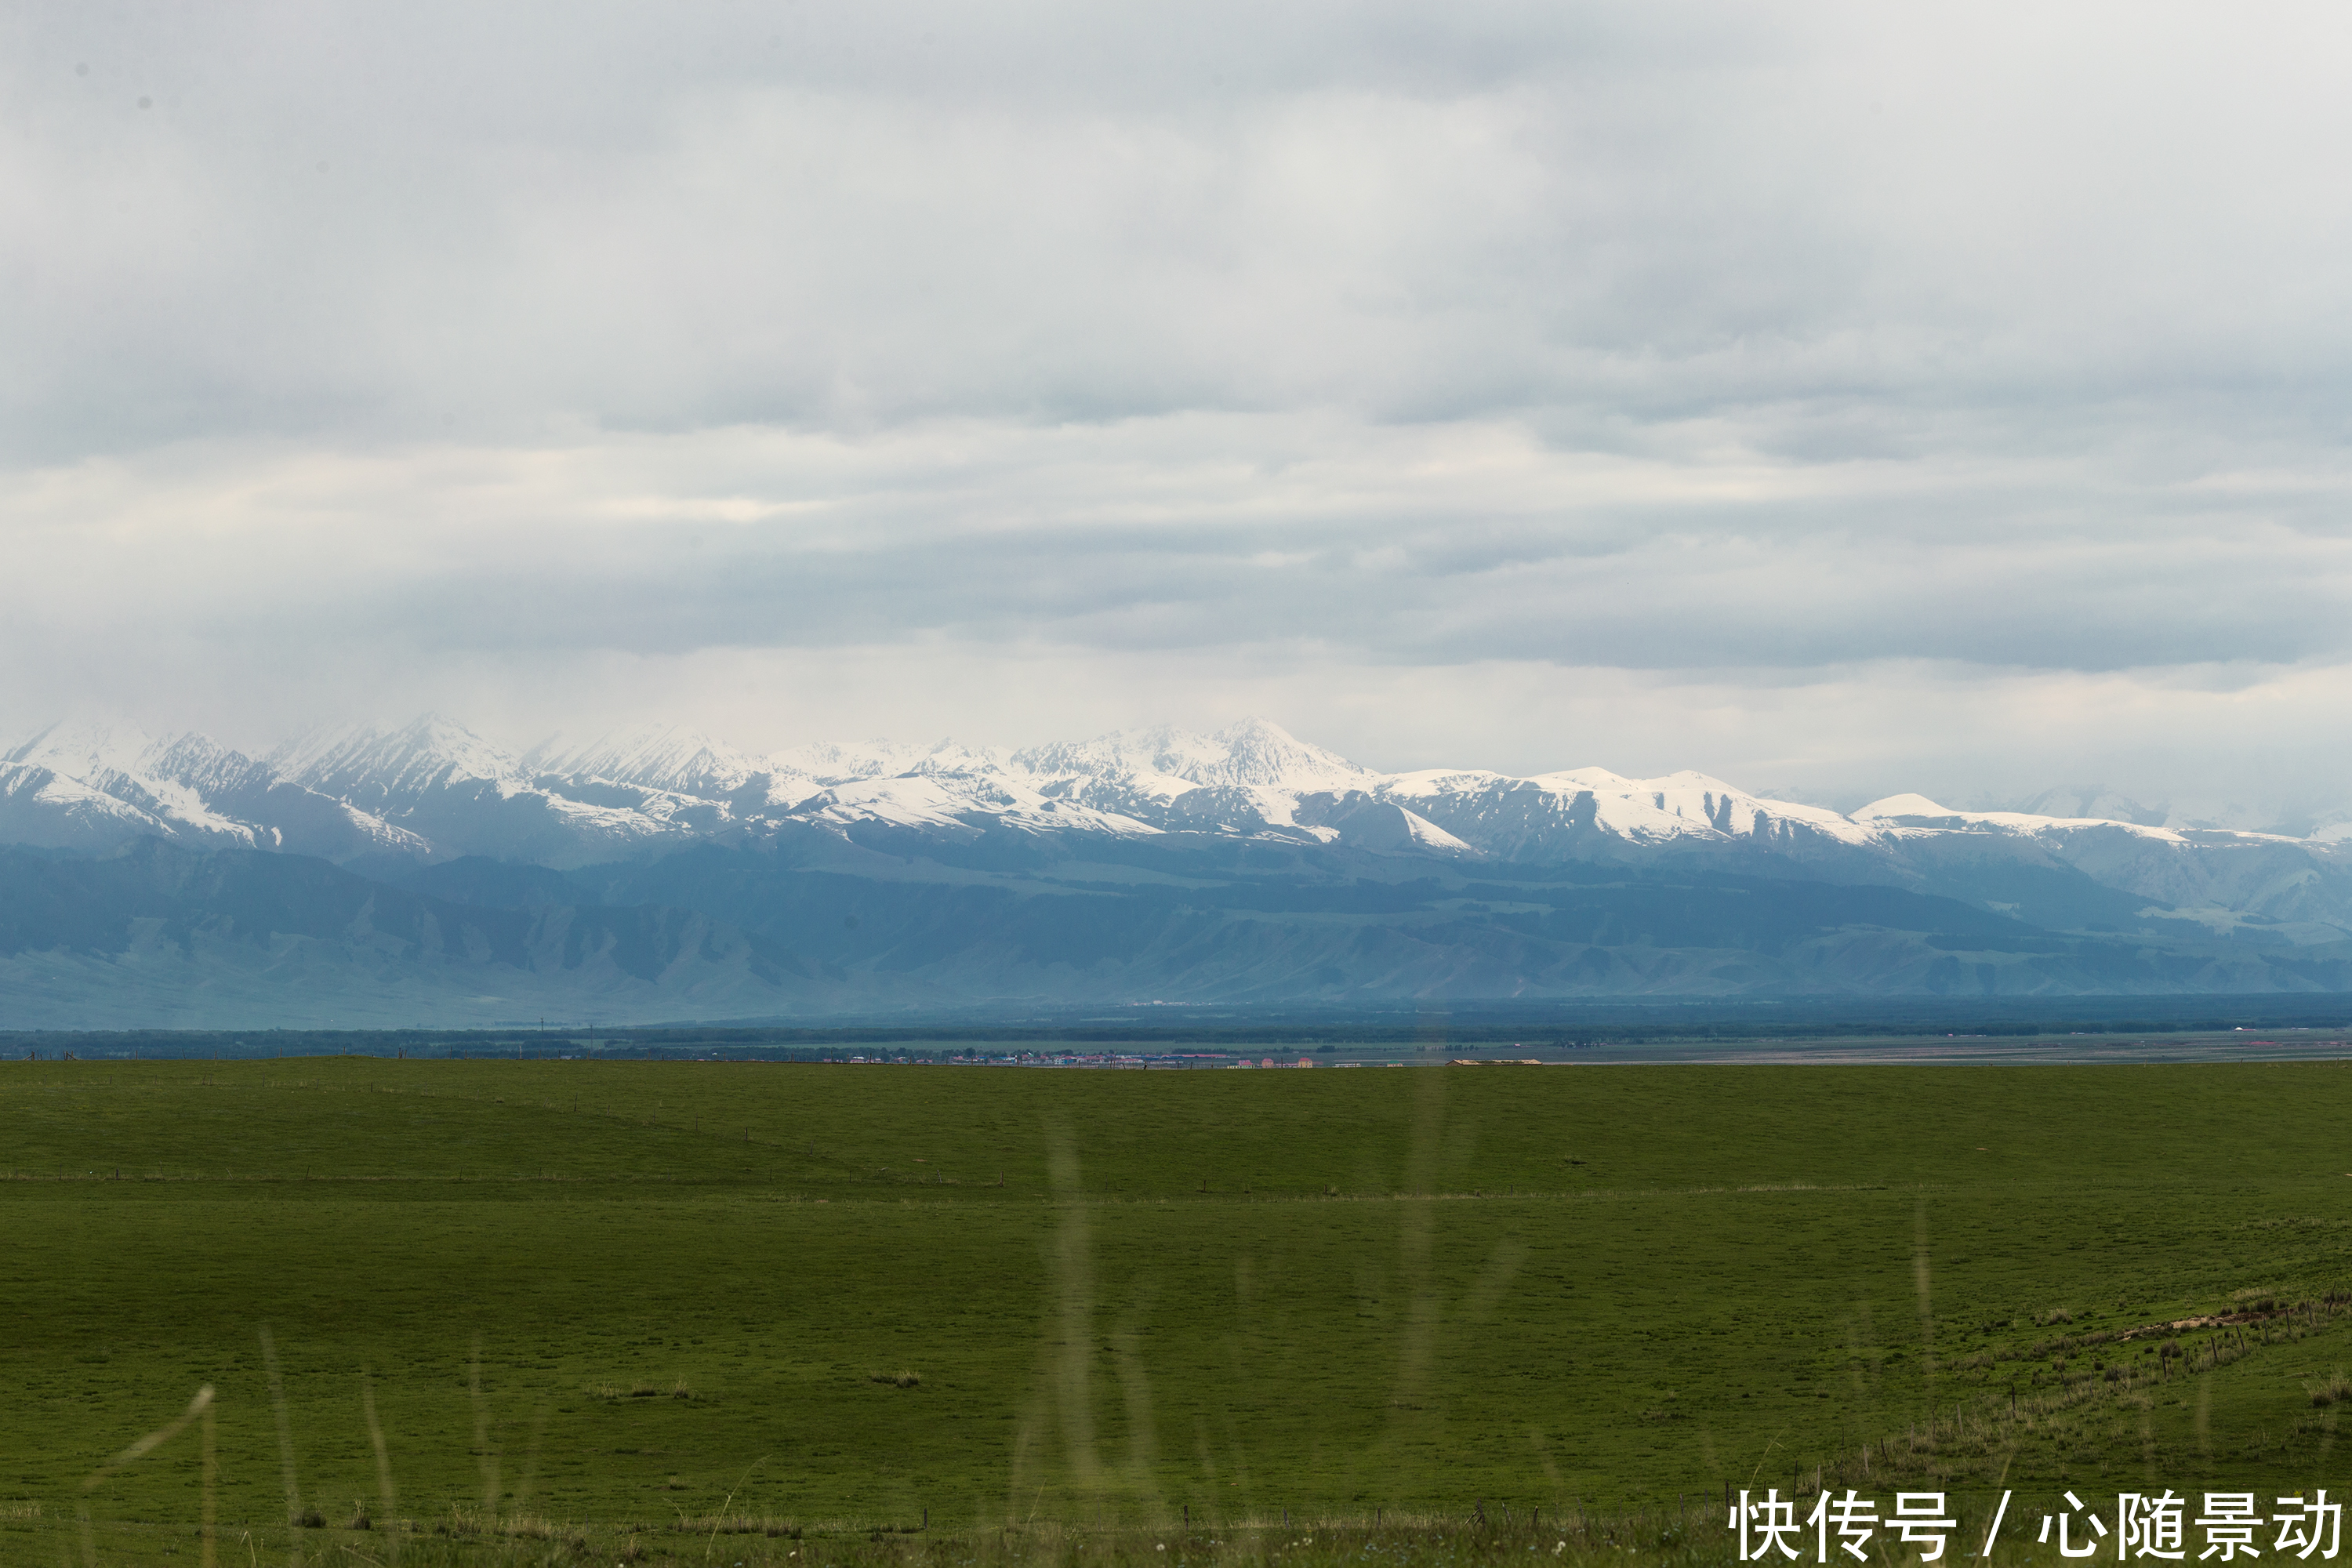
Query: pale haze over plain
(1838, 399)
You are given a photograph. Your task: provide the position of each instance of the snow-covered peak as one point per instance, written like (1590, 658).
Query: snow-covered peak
(1599, 780)
(435, 787)
(201, 764)
(953, 803)
(953, 759)
(164, 783)
(1918, 811)
(844, 761)
(1699, 798)
(1260, 751)
(1254, 752)
(1897, 807)
(433, 752)
(1678, 806)
(84, 748)
(1441, 781)
(673, 757)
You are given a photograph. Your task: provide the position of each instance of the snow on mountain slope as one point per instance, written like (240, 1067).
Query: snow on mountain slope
(1253, 752)
(1246, 779)
(1250, 778)
(844, 761)
(96, 784)
(2216, 876)
(201, 764)
(84, 748)
(900, 802)
(435, 789)
(1554, 813)
(2090, 803)
(463, 795)
(282, 813)
(1689, 803)
(39, 807)
(433, 752)
(1367, 821)
(116, 760)
(2322, 814)
(1426, 834)
(667, 757)
(1916, 811)
(956, 805)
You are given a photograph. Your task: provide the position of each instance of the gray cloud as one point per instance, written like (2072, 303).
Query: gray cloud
(1342, 358)
(821, 214)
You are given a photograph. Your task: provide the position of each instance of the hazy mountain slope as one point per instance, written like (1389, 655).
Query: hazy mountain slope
(816, 921)
(1207, 919)
(2219, 877)
(486, 883)
(153, 933)
(2323, 812)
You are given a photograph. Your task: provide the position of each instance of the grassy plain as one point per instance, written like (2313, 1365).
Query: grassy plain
(699, 1307)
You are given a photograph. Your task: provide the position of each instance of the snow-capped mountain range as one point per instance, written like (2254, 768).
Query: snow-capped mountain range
(424, 871)
(434, 790)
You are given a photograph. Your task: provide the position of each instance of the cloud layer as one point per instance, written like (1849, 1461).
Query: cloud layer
(1849, 399)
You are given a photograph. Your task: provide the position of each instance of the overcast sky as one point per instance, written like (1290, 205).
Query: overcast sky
(1838, 399)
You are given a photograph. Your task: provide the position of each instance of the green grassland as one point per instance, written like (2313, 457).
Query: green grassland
(726, 1308)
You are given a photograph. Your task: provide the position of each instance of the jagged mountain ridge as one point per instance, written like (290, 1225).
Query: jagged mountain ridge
(89, 787)
(434, 790)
